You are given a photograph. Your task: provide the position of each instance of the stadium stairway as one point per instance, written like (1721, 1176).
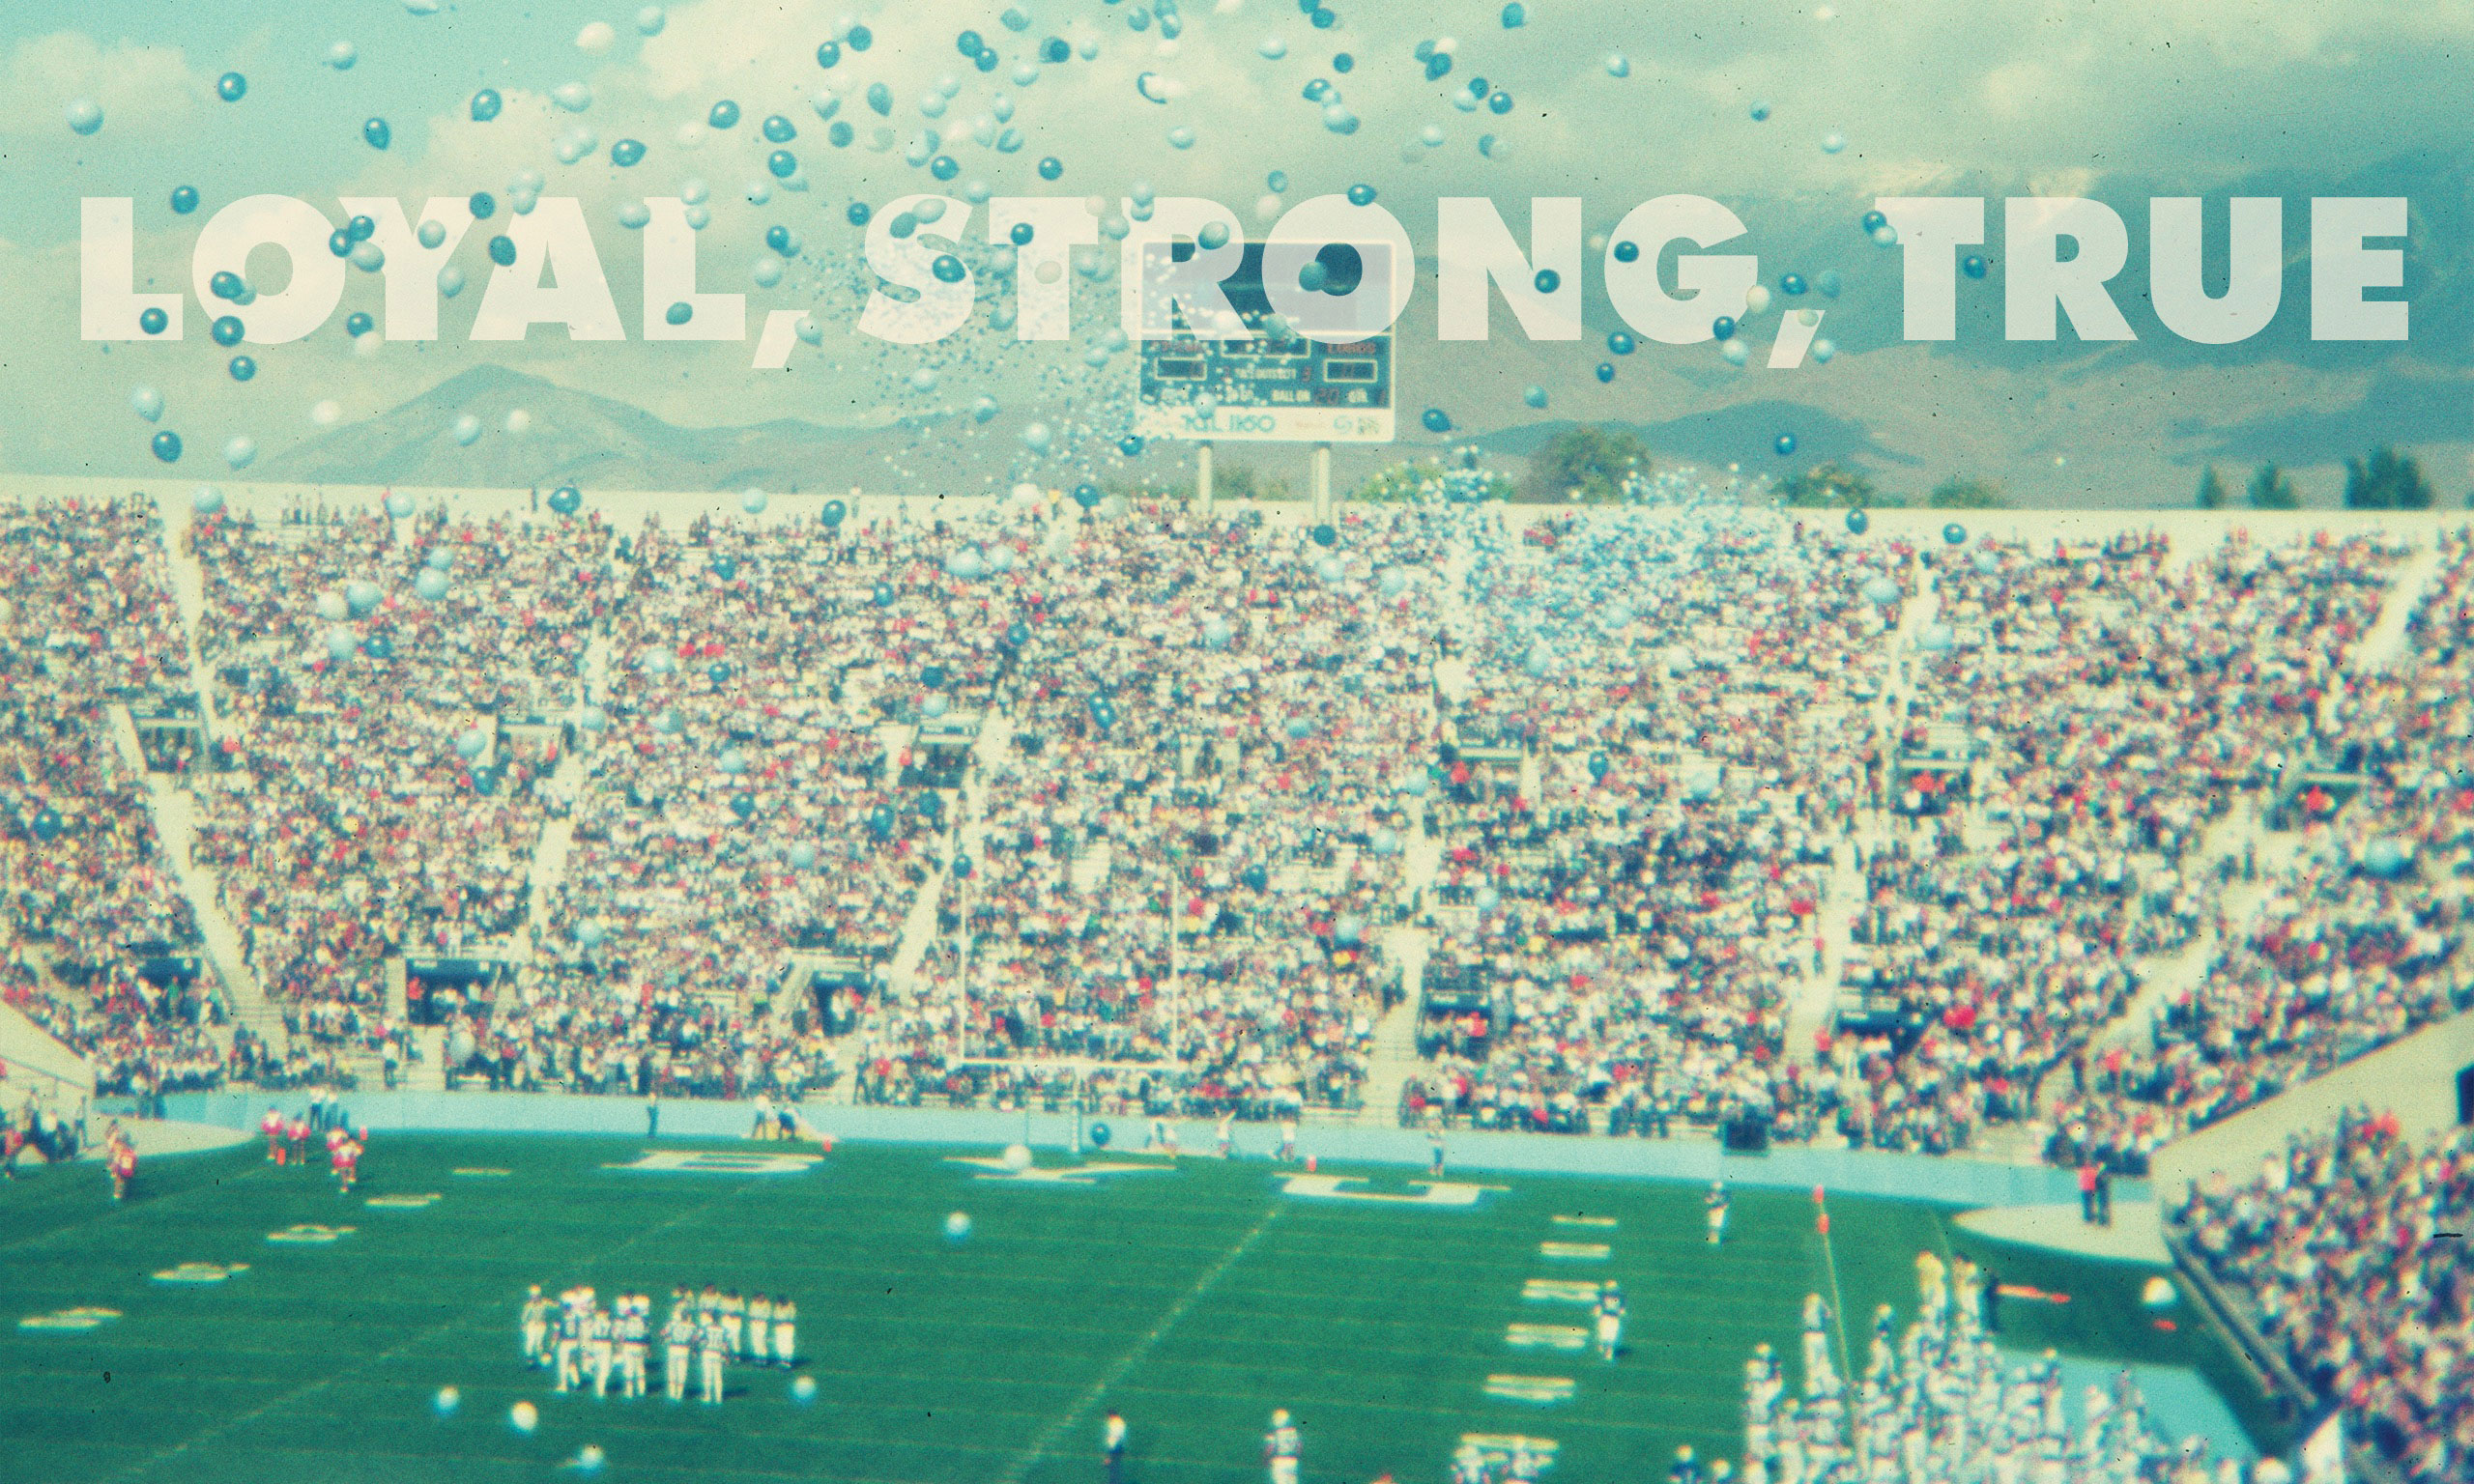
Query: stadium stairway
(1394, 1058)
(175, 825)
(2383, 643)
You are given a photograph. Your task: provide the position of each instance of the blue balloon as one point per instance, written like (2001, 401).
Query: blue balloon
(834, 512)
(1606, 370)
(1436, 420)
(566, 500)
(1723, 326)
(167, 447)
(376, 132)
(154, 321)
(724, 114)
(1786, 445)
(231, 87)
(783, 163)
(1858, 522)
(1974, 265)
(1955, 533)
(184, 199)
(486, 105)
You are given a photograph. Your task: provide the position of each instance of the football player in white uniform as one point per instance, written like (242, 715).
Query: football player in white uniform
(786, 1331)
(536, 1327)
(1282, 1448)
(678, 1343)
(712, 1354)
(597, 1341)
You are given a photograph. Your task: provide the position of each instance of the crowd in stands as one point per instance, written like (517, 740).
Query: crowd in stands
(2349, 1251)
(1171, 780)
(88, 903)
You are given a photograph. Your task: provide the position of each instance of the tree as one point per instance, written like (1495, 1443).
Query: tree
(2386, 481)
(1832, 487)
(1586, 465)
(1431, 479)
(1239, 481)
(2211, 491)
(1958, 493)
(2272, 489)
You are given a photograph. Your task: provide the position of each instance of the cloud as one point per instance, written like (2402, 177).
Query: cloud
(140, 88)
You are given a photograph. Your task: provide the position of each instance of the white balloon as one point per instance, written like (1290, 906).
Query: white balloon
(597, 38)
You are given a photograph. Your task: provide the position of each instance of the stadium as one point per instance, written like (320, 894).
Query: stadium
(1115, 840)
(1891, 872)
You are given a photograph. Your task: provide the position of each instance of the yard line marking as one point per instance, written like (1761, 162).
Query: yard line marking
(1545, 1336)
(1541, 1389)
(1559, 1291)
(312, 1388)
(1574, 1251)
(1115, 1373)
(1562, 1221)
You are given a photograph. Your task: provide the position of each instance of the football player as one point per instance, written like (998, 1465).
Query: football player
(759, 1330)
(712, 1354)
(1610, 1321)
(598, 1338)
(536, 1327)
(786, 1331)
(1282, 1448)
(1717, 1201)
(677, 1340)
(632, 1327)
(570, 1340)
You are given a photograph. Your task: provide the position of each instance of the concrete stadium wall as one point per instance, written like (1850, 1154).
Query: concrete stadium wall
(2415, 1078)
(627, 508)
(40, 1062)
(1953, 1181)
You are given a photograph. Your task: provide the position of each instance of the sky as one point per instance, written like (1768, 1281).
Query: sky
(1928, 96)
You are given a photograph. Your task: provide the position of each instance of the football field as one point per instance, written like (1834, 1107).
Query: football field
(240, 1324)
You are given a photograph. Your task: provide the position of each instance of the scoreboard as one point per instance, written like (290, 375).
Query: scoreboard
(1278, 387)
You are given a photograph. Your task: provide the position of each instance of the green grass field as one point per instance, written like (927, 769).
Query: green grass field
(1192, 1301)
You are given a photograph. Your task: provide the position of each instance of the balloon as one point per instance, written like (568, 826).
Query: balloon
(231, 87)
(1723, 326)
(471, 744)
(1986, 562)
(564, 500)
(240, 452)
(1858, 522)
(1785, 445)
(753, 502)
(1955, 533)
(84, 116)
(733, 761)
(146, 402)
(486, 105)
(1535, 397)
(1436, 420)
(1880, 590)
(1299, 729)
(206, 500)
(376, 132)
(167, 447)
(1936, 638)
(834, 512)
(1087, 495)
(2386, 857)
(1325, 535)
(362, 596)
(430, 586)
(1037, 438)
(1974, 265)
(589, 933)
(184, 199)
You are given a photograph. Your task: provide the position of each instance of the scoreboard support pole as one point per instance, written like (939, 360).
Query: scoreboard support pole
(1202, 477)
(1322, 485)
